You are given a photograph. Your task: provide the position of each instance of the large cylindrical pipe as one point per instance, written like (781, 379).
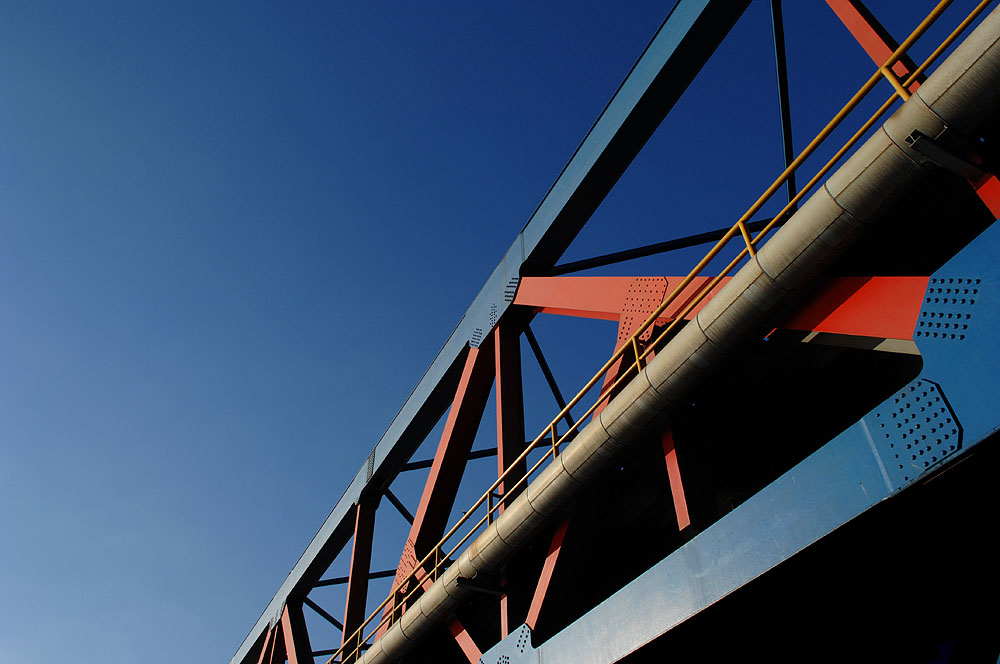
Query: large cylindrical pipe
(956, 101)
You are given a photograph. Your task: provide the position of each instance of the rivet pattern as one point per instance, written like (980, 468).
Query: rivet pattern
(915, 430)
(510, 648)
(644, 295)
(511, 289)
(477, 337)
(947, 308)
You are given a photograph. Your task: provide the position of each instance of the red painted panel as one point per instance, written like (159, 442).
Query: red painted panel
(453, 450)
(882, 307)
(584, 297)
(989, 191)
(599, 297)
(885, 307)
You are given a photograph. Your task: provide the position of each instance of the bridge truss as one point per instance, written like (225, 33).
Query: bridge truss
(819, 489)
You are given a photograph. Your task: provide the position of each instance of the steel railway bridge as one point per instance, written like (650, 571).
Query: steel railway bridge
(791, 453)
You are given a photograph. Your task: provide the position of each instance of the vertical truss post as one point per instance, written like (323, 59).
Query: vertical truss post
(357, 579)
(781, 70)
(510, 427)
(510, 403)
(293, 629)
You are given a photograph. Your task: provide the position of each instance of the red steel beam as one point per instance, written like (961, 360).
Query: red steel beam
(296, 636)
(872, 36)
(504, 610)
(545, 578)
(277, 654)
(265, 652)
(510, 426)
(510, 402)
(452, 453)
(456, 442)
(357, 579)
(595, 297)
(883, 307)
(465, 642)
(674, 475)
(989, 191)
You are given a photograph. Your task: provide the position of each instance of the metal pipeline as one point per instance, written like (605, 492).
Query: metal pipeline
(951, 107)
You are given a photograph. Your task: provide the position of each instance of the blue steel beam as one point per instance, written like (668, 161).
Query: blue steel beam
(871, 461)
(686, 39)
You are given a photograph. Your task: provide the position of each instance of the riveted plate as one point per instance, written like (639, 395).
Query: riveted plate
(915, 430)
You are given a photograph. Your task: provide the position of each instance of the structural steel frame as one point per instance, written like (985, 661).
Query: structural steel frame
(484, 347)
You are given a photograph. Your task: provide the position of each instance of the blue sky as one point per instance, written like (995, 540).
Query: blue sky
(233, 235)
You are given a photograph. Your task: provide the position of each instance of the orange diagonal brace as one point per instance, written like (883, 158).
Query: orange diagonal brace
(446, 472)
(464, 641)
(293, 628)
(265, 652)
(545, 578)
(872, 37)
(674, 475)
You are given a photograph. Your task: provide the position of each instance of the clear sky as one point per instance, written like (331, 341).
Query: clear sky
(233, 236)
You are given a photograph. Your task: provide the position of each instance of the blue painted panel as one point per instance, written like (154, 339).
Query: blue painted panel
(835, 484)
(965, 293)
(515, 649)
